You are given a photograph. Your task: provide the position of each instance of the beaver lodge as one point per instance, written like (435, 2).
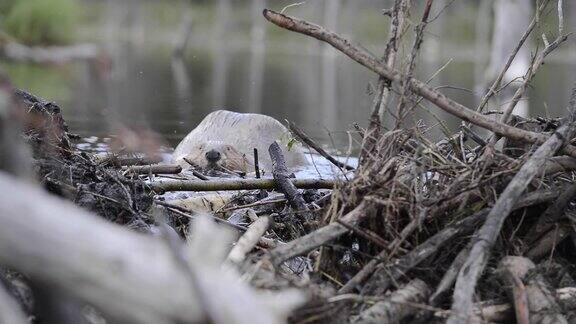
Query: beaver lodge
(478, 227)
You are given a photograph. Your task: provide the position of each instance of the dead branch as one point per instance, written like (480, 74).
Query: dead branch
(437, 98)
(53, 54)
(79, 253)
(249, 239)
(281, 179)
(235, 184)
(551, 215)
(310, 142)
(154, 169)
(559, 164)
(123, 160)
(509, 272)
(400, 11)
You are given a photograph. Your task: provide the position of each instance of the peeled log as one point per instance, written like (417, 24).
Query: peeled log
(398, 305)
(541, 302)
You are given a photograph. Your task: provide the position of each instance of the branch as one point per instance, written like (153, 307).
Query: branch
(282, 180)
(133, 277)
(235, 184)
(437, 98)
(319, 237)
(310, 142)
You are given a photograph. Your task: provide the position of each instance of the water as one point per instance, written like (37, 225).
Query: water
(239, 65)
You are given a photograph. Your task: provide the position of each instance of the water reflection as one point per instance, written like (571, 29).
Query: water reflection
(236, 60)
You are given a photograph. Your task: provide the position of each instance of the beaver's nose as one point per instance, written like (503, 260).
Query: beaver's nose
(212, 156)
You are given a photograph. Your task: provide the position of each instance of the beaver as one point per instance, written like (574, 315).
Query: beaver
(227, 139)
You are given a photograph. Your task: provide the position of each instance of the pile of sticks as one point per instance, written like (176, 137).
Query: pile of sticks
(430, 230)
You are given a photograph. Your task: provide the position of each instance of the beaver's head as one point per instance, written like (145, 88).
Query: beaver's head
(214, 155)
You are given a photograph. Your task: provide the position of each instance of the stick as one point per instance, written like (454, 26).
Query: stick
(118, 160)
(281, 179)
(235, 184)
(437, 98)
(249, 240)
(155, 169)
(546, 244)
(188, 214)
(400, 11)
(310, 142)
(256, 164)
(130, 276)
(318, 237)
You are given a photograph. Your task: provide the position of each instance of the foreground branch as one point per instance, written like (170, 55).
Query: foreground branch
(133, 277)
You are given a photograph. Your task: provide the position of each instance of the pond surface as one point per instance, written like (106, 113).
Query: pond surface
(254, 67)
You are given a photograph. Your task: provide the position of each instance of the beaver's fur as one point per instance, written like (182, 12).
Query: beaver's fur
(234, 136)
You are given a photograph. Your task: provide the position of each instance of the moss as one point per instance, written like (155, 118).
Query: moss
(42, 21)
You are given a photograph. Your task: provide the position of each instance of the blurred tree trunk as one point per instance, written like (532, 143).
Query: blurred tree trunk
(258, 56)
(329, 67)
(221, 55)
(511, 18)
(482, 40)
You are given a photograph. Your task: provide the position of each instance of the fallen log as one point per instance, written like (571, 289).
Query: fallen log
(235, 184)
(52, 54)
(154, 169)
